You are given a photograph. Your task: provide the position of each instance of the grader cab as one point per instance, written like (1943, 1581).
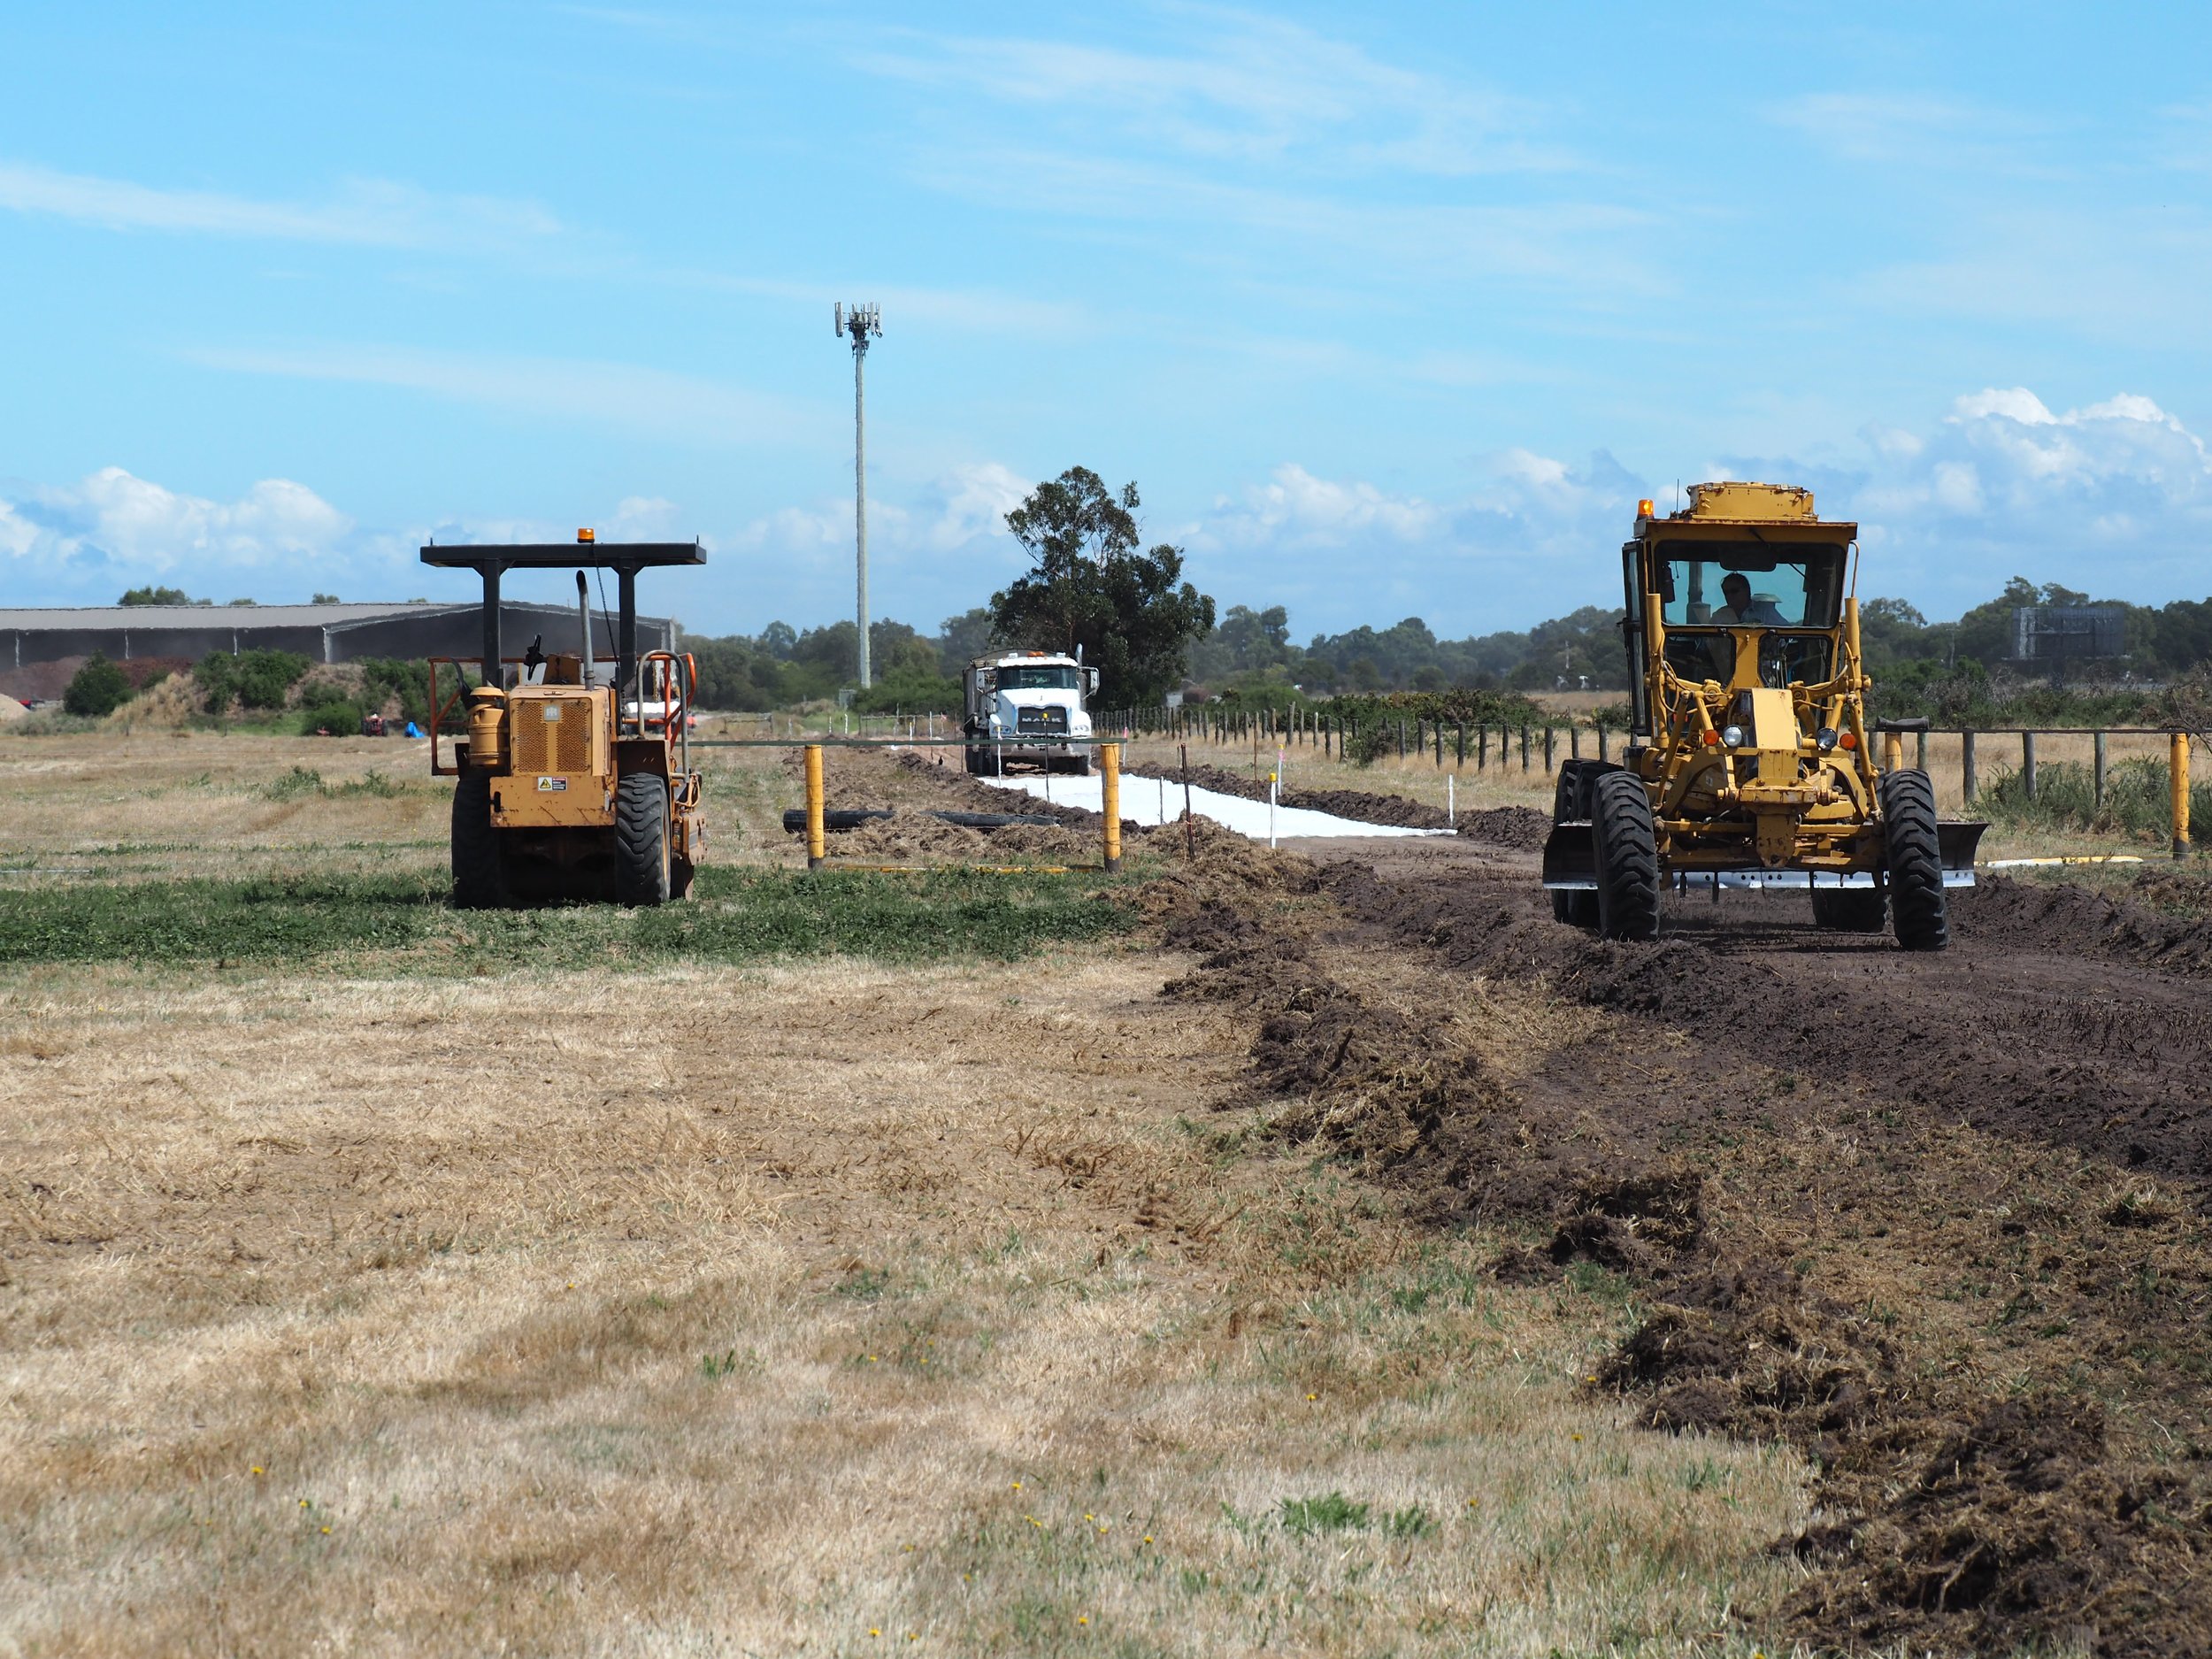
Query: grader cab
(574, 777)
(1749, 763)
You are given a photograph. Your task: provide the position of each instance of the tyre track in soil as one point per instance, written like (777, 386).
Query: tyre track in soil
(1936, 1220)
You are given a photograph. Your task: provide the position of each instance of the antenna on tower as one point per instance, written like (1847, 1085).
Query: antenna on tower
(862, 323)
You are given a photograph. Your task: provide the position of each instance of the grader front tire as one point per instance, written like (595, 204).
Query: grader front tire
(1628, 856)
(641, 840)
(1917, 911)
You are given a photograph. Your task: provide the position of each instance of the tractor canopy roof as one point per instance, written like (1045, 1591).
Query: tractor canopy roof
(524, 556)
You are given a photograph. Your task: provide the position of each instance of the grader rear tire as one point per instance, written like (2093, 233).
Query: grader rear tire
(480, 873)
(1628, 856)
(641, 840)
(1851, 909)
(1571, 804)
(1917, 911)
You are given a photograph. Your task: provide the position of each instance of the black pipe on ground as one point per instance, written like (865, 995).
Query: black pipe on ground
(794, 820)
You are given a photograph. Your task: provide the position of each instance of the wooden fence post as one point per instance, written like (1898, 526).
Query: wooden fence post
(1547, 741)
(2098, 745)
(1966, 765)
(2027, 763)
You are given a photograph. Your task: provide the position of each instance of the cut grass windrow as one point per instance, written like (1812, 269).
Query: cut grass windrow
(735, 916)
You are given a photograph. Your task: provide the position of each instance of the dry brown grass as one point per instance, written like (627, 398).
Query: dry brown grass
(761, 1310)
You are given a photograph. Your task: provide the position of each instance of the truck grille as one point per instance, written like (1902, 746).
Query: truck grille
(553, 734)
(1053, 720)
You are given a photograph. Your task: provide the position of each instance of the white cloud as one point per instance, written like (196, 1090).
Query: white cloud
(1294, 509)
(678, 407)
(115, 529)
(367, 211)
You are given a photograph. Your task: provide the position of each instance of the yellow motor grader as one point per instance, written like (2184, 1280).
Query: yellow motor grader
(1748, 762)
(569, 785)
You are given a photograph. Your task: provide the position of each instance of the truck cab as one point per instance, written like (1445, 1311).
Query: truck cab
(1028, 708)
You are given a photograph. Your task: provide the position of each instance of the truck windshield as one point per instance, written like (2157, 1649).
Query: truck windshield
(1738, 584)
(1023, 677)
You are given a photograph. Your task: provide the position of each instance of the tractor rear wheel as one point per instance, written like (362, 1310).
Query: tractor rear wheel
(1571, 804)
(1917, 911)
(1851, 909)
(641, 840)
(480, 873)
(1627, 844)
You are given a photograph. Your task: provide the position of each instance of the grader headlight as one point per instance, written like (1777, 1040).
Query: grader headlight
(1733, 735)
(1824, 739)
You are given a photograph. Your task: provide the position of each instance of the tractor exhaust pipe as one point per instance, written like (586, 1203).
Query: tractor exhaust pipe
(583, 615)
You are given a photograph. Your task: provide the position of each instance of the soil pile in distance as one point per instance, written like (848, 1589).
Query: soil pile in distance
(1394, 810)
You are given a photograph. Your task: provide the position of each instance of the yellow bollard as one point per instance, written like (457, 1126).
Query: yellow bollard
(814, 848)
(1892, 752)
(2179, 767)
(1110, 790)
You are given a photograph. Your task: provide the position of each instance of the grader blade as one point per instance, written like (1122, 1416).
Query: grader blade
(1956, 842)
(1570, 858)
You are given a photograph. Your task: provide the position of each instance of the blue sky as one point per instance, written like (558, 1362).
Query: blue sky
(1389, 311)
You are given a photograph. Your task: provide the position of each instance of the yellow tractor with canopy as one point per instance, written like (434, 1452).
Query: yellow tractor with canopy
(572, 768)
(1749, 764)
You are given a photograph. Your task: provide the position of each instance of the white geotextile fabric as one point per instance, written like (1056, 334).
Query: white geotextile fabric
(1150, 800)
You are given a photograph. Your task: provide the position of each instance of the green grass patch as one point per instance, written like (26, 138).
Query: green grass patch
(2138, 800)
(736, 915)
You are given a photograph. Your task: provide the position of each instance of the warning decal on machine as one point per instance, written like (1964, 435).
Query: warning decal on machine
(555, 785)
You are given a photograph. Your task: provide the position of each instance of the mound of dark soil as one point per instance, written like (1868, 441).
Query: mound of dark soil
(1809, 1091)
(2058, 1058)
(2063, 915)
(1394, 810)
(1518, 826)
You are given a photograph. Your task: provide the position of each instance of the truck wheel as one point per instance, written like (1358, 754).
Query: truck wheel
(480, 875)
(641, 840)
(1917, 911)
(1851, 909)
(1628, 856)
(983, 763)
(1081, 766)
(1571, 804)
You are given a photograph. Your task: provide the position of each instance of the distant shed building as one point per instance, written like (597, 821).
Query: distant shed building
(322, 634)
(2063, 633)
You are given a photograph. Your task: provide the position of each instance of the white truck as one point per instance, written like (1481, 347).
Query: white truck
(1026, 708)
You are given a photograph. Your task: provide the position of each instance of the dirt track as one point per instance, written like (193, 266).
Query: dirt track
(1936, 1219)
